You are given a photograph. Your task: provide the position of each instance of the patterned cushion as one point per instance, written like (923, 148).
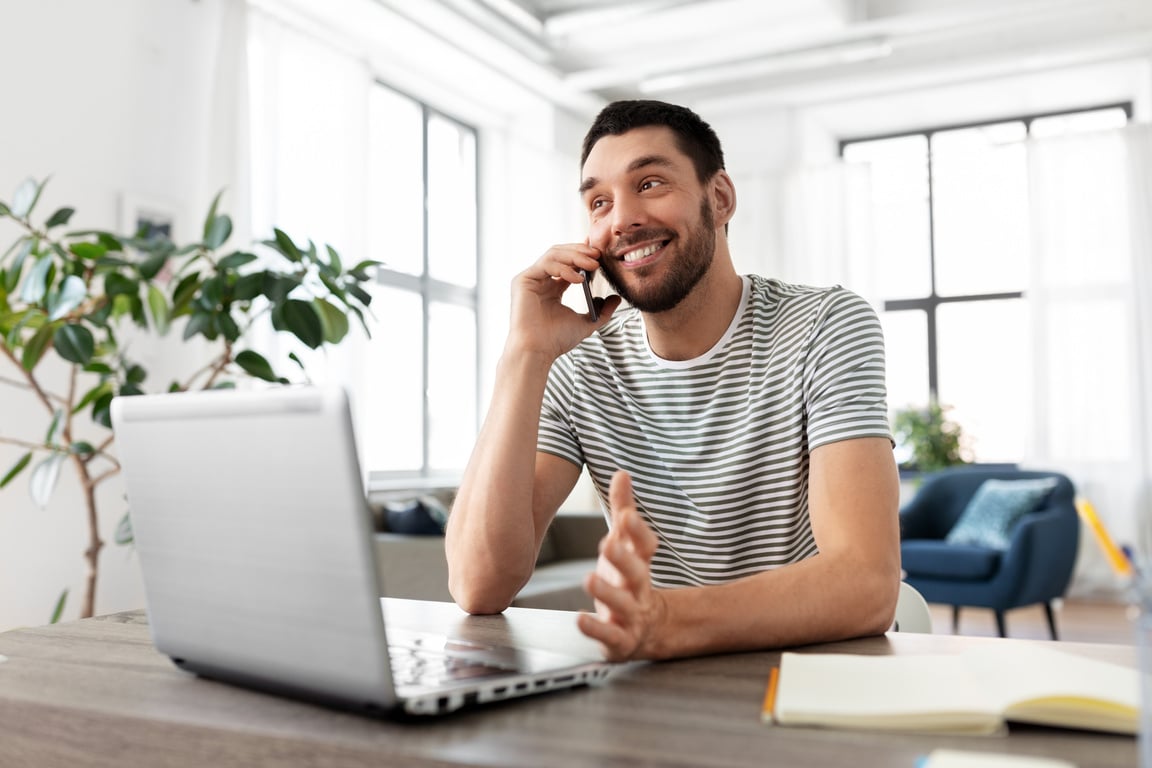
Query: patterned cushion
(995, 508)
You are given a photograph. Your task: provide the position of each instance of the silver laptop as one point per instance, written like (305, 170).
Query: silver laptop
(255, 542)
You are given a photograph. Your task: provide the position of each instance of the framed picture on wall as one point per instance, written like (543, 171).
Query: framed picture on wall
(147, 218)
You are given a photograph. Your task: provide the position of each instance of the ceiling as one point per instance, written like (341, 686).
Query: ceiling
(798, 49)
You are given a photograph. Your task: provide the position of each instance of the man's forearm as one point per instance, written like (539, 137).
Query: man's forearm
(491, 537)
(842, 598)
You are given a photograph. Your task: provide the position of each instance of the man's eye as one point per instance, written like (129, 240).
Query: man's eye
(649, 184)
(598, 203)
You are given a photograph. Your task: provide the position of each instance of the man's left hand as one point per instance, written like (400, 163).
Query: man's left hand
(628, 609)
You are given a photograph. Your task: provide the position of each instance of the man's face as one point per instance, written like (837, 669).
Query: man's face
(649, 216)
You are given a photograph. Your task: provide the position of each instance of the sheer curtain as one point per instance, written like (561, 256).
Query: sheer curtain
(1089, 408)
(1090, 293)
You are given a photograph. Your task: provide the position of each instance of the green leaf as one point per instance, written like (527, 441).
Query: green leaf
(334, 321)
(333, 259)
(135, 374)
(228, 326)
(248, 287)
(58, 611)
(45, 475)
(53, 426)
(152, 265)
(185, 290)
(12, 276)
(217, 231)
(5, 210)
(25, 197)
(74, 343)
(116, 284)
(302, 320)
(254, 364)
(101, 410)
(36, 283)
(200, 323)
(59, 218)
(16, 469)
(72, 292)
(36, 346)
(236, 260)
(124, 535)
(210, 219)
(158, 306)
(102, 388)
(284, 245)
(88, 251)
(82, 448)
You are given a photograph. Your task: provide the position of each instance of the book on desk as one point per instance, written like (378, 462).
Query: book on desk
(977, 691)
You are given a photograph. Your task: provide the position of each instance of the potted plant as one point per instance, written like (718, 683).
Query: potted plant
(74, 294)
(935, 440)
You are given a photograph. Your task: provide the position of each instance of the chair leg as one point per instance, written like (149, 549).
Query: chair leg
(1000, 623)
(955, 619)
(1051, 620)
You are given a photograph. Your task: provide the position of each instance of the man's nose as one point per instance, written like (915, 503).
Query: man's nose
(627, 214)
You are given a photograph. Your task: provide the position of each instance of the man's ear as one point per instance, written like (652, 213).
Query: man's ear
(723, 194)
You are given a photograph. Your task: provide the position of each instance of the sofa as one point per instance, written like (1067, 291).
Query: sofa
(410, 552)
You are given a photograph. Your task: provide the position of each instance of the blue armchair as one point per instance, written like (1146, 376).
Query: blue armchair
(1033, 564)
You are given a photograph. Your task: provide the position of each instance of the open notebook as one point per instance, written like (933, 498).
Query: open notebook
(977, 691)
(255, 543)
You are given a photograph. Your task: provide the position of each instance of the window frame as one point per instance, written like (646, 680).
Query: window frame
(431, 290)
(931, 303)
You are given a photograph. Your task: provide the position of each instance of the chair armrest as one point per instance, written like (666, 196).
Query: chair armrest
(1041, 556)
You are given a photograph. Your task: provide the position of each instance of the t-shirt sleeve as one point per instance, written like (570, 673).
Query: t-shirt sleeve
(557, 434)
(844, 383)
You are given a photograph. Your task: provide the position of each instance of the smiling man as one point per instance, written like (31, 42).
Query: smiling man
(735, 426)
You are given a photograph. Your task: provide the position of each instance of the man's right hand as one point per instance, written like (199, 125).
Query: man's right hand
(540, 322)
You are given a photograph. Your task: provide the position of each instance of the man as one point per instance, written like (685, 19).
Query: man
(735, 426)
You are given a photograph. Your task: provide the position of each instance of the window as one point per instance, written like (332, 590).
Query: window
(420, 369)
(952, 231)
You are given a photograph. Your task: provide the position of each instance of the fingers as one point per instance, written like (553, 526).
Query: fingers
(564, 262)
(626, 520)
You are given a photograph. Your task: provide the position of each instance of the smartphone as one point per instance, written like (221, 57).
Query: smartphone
(593, 315)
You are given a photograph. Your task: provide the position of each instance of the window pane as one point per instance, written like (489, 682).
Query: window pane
(1078, 122)
(980, 209)
(985, 369)
(899, 170)
(452, 385)
(392, 432)
(906, 356)
(906, 353)
(396, 181)
(451, 202)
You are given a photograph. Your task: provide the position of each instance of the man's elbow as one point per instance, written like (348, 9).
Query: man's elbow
(476, 598)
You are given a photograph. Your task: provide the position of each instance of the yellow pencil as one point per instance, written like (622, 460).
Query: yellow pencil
(768, 713)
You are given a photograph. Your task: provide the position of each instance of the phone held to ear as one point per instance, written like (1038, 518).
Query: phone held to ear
(593, 315)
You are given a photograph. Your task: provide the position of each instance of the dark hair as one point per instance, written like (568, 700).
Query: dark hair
(694, 137)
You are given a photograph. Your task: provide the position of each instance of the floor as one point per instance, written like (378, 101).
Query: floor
(1076, 621)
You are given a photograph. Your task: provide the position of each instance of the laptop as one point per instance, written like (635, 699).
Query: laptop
(255, 541)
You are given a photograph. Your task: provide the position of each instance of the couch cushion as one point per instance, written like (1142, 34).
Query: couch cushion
(933, 558)
(996, 508)
(424, 516)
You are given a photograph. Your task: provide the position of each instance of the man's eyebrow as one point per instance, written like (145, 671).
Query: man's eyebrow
(641, 162)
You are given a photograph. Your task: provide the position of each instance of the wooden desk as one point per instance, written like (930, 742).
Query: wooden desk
(95, 693)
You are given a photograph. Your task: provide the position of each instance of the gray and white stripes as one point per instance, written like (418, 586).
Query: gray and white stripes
(718, 446)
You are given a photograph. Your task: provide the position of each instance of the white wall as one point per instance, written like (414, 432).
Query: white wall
(112, 100)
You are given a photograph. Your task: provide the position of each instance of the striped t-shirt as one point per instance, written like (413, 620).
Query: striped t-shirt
(718, 446)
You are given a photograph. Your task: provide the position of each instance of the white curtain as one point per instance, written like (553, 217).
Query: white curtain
(1090, 295)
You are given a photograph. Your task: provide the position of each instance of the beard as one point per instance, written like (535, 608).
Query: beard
(696, 253)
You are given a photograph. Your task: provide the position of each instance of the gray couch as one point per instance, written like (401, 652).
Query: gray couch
(414, 565)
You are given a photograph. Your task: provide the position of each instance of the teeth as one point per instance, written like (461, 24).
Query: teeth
(641, 253)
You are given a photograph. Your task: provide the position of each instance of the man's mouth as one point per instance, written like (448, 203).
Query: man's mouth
(643, 252)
